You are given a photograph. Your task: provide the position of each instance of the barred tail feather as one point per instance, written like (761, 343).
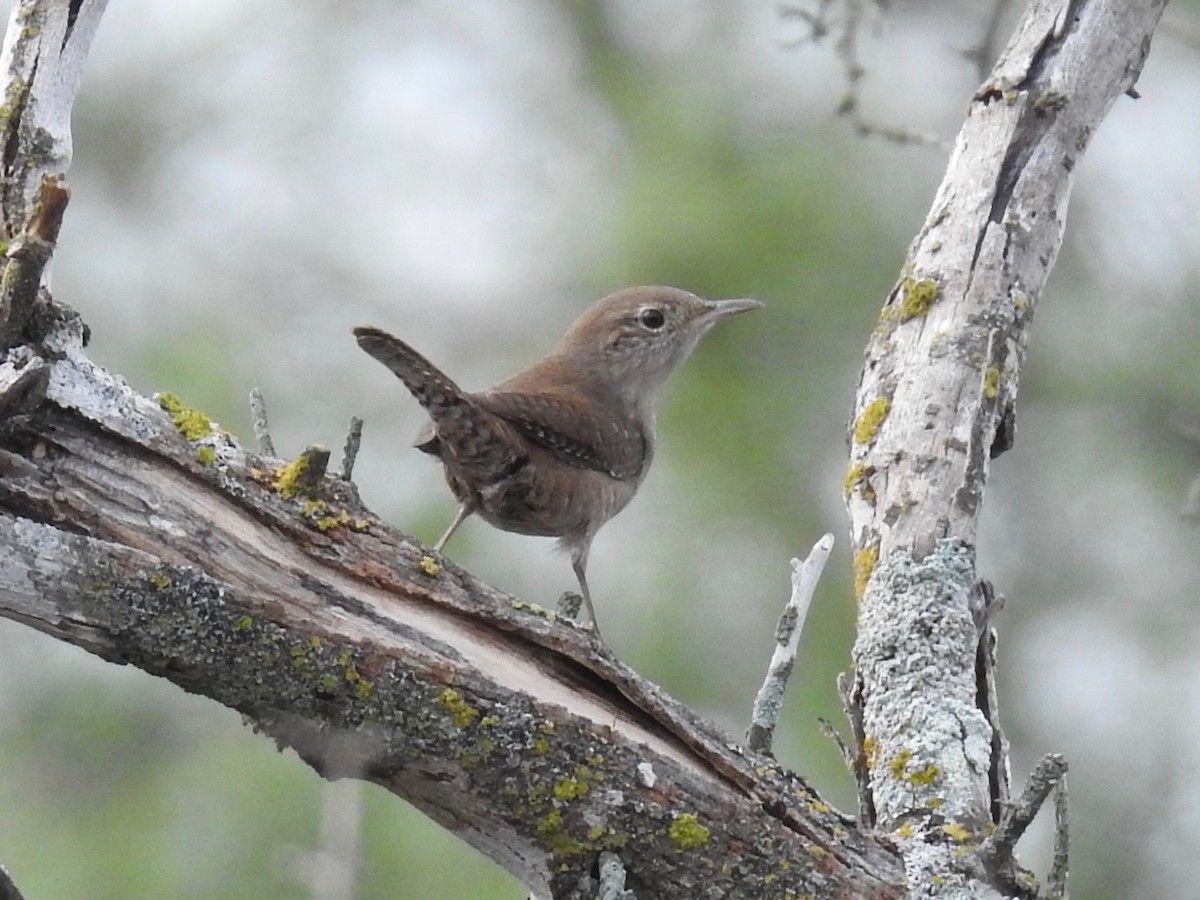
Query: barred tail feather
(476, 441)
(424, 380)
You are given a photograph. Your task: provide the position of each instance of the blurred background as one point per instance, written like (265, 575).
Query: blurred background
(251, 180)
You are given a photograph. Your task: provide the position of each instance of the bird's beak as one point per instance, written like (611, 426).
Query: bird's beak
(719, 309)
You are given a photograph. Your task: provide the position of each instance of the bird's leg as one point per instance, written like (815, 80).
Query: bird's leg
(579, 564)
(463, 511)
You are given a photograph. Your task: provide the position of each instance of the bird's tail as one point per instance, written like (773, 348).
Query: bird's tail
(432, 388)
(470, 437)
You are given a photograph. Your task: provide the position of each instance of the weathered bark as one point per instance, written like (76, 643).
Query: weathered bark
(936, 402)
(340, 638)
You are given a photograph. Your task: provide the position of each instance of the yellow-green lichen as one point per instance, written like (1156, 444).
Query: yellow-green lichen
(1051, 100)
(958, 832)
(192, 423)
(362, 687)
(429, 565)
(916, 297)
(535, 609)
(585, 774)
(287, 476)
(13, 99)
(922, 776)
(991, 382)
(325, 523)
(899, 768)
(870, 751)
(206, 456)
(687, 833)
(554, 836)
(461, 712)
(858, 477)
(553, 833)
(159, 580)
(817, 851)
(899, 761)
(330, 683)
(568, 789)
(864, 565)
(871, 419)
(539, 746)
(244, 623)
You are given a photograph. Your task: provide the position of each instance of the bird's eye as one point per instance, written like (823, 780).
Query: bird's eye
(652, 317)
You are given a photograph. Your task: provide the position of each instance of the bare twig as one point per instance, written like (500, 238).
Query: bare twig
(262, 429)
(769, 702)
(832, 733)
(27, 259)
(847, 687)
(1000, 777)
(569, 605)
(1056, 881)
(867, 128)
(816, 21)
(845, 22)
(984, 53)
(612, 878)
(998, 848)
(302, 476)
(350, 453)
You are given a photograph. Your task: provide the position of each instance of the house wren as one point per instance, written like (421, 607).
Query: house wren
(559, 449)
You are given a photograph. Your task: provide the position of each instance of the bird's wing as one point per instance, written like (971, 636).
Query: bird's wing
(585, 437)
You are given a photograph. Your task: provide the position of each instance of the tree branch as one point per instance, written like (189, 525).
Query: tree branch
(41, 62)
(936, 403)
(190, 560)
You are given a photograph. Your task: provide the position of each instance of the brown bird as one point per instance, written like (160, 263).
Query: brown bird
(562, 447)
